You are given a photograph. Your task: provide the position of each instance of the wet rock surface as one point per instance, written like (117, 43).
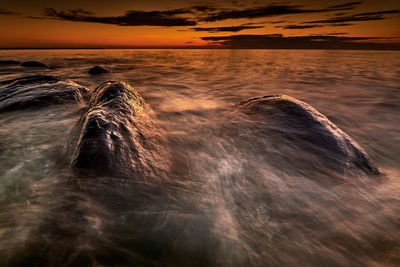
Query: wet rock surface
(111, 140)
(97, 70)
(33, 64)
(38, 91)
(293, 123)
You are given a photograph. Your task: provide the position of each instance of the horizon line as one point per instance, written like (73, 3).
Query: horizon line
(193, 47)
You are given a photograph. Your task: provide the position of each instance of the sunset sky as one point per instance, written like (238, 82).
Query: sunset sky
(178, 23)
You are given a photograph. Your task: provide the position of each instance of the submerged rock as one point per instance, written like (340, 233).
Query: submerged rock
(98, 70)
(112, 139)
(9, 62)
(299, 125)
(39, 90)
(33, 64)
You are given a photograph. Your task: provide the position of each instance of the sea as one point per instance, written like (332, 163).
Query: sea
(222, 199)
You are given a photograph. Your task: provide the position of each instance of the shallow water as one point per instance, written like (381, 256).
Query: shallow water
(222, 200)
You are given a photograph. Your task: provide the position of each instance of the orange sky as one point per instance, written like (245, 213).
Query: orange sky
(97, 29)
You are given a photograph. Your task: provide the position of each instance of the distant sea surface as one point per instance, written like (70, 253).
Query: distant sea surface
(228, 206)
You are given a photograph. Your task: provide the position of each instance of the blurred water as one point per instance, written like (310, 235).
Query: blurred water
(221, 202)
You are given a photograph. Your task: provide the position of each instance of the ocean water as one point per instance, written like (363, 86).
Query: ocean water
(219, 198)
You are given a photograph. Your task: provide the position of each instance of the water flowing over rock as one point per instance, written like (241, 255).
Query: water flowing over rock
(296, 123)
(111, 141)
(33, 64)
(39, 90)
(97, 70)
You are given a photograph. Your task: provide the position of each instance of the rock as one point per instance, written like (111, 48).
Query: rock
(38, 91)
(98, 70)
(297, 124)
(112, 139)
(9, 62)
(33, 64)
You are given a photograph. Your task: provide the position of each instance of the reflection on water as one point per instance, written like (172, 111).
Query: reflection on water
(229, 196)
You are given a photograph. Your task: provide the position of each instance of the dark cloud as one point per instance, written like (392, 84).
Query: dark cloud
(226, 29)
(349, 5)
(269, 11)
(277, 21)
(131, 18)
(394, 11)
(35, 17)
(341, 24)
(309, 26)
(252, 24)
(380, 15)
(278, 41)
(299, 26)
(6, 12)
(80, 12)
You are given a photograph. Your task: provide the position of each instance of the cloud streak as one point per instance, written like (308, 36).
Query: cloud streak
(270, 11)
(278, 41)
(167, 18)
(349, 5)
(226, 29)
(6, 12)
(380, 15)
(295, 27)
(309, 26)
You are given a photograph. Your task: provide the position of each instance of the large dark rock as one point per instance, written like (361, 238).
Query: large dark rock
(112, 137)
(39, 90)
(97, 70)
(33, 64)
(289, 122)
(9, 62)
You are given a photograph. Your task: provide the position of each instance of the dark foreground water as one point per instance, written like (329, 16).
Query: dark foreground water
(220, 194)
